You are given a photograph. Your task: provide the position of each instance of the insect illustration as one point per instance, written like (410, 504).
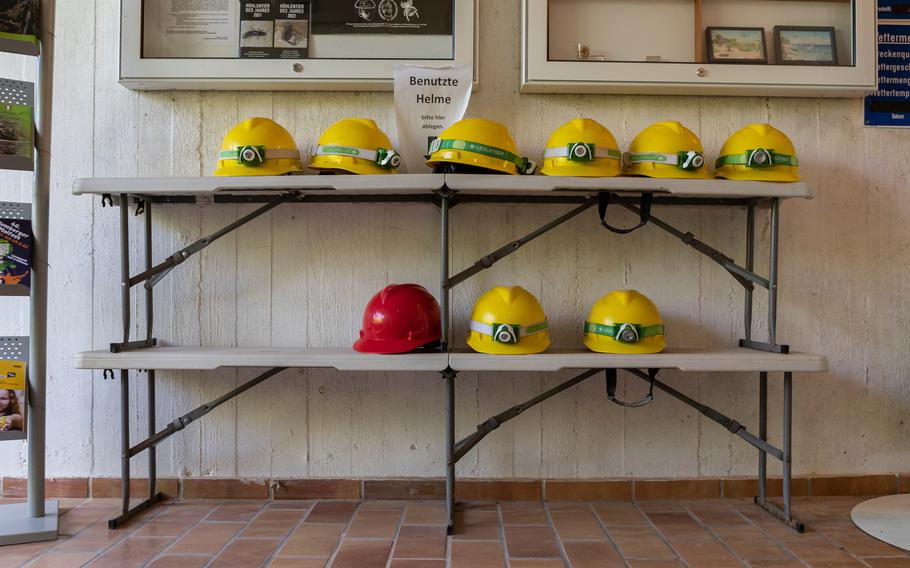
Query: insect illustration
(409, 10)
(292, 35)
(254, 32)
(365, 9)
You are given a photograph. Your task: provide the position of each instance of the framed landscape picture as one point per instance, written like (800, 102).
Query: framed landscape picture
(805, 45)
(737, 45)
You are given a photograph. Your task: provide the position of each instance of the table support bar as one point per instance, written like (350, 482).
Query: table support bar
(190, 417)
(494, 257)
(154, 275)
(483, 430)
(731, 425)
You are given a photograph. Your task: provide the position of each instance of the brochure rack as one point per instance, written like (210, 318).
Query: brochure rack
(446, 192)
(35, 520)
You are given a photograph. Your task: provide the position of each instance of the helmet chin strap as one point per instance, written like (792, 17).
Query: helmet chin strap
(612, 375)
(603, 201)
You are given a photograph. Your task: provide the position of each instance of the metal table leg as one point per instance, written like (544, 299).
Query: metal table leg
(788, 428)
(449, 375)
(763, 434)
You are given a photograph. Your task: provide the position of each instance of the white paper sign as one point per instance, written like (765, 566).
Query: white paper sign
(191, 28)
(427, 101)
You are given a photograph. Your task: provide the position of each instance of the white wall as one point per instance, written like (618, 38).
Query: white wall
(301, 275)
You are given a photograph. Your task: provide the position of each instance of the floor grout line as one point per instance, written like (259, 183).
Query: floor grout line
(702, 524)
(662, 536)
(395, 536)
(344, 533)
(606, 530)
(233, 539)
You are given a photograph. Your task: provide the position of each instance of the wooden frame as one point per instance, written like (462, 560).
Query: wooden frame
(778, 51)
(712, 57)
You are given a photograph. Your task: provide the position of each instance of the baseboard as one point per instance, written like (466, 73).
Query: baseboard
(467, 489)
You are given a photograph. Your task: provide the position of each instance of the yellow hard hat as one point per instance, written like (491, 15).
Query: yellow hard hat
(582, 148)
(667, 150)
(357, 146)
(258, 147)
(758, 152)
(624, 321)
(508, 320)
(477, 143)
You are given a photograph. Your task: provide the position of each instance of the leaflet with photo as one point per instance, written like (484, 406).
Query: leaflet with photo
(292, 30)
(257, 28)
(12, 400)
(19, 20)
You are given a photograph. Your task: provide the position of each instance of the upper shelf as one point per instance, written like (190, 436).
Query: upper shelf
(422, 184)
(346, 359)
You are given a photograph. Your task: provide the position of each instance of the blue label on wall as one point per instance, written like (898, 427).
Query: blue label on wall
(894, 9)
(890, 104)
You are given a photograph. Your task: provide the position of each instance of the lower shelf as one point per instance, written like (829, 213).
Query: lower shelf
(345, 359)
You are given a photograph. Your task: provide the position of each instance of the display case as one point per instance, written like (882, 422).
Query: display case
(724, 47)
(289, 45)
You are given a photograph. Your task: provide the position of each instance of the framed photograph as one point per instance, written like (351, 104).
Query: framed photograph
(805, 45)
(737, 45)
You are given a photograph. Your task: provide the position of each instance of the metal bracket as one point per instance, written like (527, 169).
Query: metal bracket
(746, 278)
(779, 514)
(761, 346)
(494, 257)
(133, 345)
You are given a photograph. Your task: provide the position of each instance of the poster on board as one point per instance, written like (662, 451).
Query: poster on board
(198, 29)
(889, 106)
(426, 17)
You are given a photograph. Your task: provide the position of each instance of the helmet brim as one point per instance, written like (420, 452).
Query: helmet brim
(391, 347)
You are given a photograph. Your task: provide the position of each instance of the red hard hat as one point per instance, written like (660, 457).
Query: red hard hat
(400, 318)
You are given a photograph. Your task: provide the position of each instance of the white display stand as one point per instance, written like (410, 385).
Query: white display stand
(37, 520)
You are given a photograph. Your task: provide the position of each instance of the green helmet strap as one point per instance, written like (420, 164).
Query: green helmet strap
(624, 332)
(758, 158)
(524, 165)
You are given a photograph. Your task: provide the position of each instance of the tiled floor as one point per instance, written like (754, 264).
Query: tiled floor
(285, 534)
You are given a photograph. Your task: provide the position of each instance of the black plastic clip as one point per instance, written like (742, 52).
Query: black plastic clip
(603, 201)
(108, 374)
(107, 200)
(611, 390)
(140, 207)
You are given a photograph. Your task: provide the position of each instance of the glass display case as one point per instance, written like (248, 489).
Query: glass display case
(293, 44)
(731, 47)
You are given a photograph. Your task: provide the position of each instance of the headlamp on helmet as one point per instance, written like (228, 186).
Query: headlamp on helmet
(388, 159)
(760, 158)
(581, 152)
(690, 161)
(627, 333)
(506, 333)
(251, 155)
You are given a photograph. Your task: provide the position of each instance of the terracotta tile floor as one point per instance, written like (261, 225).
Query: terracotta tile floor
(393, 534)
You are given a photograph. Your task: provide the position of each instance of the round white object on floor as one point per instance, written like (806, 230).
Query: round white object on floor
(885, 518)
